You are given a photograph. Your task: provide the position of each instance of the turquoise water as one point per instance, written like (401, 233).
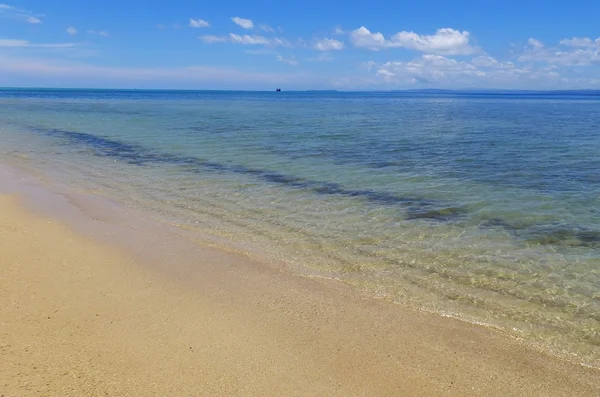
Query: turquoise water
(485, 207)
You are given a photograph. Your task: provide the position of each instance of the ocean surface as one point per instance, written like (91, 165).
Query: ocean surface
(479, 206)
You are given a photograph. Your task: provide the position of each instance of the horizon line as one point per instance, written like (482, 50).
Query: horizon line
(423, 90)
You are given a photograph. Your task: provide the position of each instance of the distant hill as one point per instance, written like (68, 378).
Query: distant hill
(504, 92)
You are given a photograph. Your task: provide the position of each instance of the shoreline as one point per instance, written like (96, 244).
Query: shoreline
(256, 330)
(47, 196)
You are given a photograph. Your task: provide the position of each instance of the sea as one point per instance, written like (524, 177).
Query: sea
(479, 206)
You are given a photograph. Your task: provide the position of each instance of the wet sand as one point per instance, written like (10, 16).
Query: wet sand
(103, 308)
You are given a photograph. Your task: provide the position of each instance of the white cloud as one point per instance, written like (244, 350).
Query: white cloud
(484, 61)
(578, 52)
(244, 23)
(338, 30)
(535, 43)
(362, 37)
(210, 39)
(13, 42)
(385, 72)
(198, 23)
(326, 44)
(102, 33)
(8, 11)
(552, 68)
(547, 73)
(437, 70)
(445, 41)
(266, 28)
(290, 61)
(247, 40)
(71, 30)
(584, 42)
(578, 57)
(25, 43)
(432, 70)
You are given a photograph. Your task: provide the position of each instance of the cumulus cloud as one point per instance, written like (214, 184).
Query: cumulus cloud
(290, 61)
(8, 11)
(327, 44)
(198, 23)
(577, 57)
(385, 72)
(439, 70)
(584, 42)
(578, 51)
(445, 41)
(362, 37)
(429, 68)
(535, 43)
(71, 30)
(244, 23)
(247, 40)
(484, 61)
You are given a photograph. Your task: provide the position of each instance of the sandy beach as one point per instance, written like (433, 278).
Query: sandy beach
(85, 316)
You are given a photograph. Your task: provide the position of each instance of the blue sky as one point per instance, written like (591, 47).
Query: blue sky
(344, 45)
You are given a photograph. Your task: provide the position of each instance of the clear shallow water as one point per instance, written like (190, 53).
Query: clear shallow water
(483, 206)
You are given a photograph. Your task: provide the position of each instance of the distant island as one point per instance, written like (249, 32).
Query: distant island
(501, 92)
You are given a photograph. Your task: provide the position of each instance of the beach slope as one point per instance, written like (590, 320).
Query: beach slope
(80, 317)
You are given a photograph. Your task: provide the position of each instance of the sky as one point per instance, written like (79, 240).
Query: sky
(298, 45)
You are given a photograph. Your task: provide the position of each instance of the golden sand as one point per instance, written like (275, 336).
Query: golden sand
(79, 317)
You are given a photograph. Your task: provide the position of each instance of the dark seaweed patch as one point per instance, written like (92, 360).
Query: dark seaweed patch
(550, 234)
(443, 214)
(497, 222)
(417, 207)
(570, 237)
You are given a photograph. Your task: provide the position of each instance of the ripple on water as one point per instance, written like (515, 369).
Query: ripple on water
(460, 205)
